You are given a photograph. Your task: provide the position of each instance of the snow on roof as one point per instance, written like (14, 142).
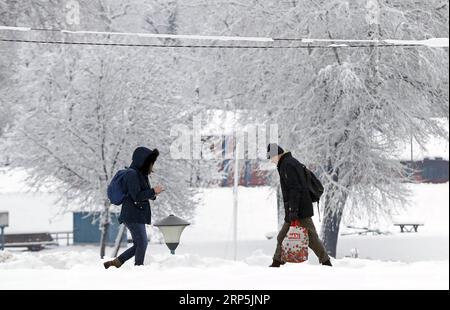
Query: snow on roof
(435, 147)
(13, 181)
(223, 122)
(219, 122)
(17, 181)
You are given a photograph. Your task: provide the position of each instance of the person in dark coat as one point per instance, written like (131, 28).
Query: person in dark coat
(135, 212)
(297, 202)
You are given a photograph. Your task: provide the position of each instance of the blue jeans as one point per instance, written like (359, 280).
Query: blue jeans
(140, 241)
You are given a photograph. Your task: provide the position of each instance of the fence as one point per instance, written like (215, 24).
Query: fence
(63, 235)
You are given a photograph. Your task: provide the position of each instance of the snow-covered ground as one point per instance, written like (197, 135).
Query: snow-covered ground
(204, 257)
(80, 268)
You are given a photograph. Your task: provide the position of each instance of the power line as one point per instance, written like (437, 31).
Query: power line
(308, 42)
(309, 46)
(140, 34)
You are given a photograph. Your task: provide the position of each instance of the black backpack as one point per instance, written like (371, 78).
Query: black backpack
(315, 187)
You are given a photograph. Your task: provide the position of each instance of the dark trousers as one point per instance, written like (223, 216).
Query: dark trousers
(140, 241)
(314, 242)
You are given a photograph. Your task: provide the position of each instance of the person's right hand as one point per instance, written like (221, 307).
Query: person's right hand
(158, 189)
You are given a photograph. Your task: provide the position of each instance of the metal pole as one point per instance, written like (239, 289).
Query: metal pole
(2, 240)
(235, 197)
(280, 207)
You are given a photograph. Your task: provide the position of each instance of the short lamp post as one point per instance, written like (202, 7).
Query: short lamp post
(4, 222)
(171, 228)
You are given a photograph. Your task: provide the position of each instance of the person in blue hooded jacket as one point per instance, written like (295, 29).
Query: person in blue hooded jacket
(135, 212)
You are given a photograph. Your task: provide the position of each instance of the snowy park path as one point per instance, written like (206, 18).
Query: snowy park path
(393, 261)
(80, 268)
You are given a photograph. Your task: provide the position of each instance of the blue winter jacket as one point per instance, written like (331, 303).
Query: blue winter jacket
(136, 206)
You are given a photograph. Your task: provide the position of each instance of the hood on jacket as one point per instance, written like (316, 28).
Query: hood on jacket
(143, 157)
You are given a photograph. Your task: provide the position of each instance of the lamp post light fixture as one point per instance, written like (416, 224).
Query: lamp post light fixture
(171, 228)
(4, 222)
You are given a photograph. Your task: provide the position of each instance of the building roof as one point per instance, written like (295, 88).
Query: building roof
(435, 147)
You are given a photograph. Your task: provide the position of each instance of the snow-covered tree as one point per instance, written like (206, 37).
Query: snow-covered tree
(88, 124)
(84, 111)
(361, 102)
(341, 110)
(7, 68)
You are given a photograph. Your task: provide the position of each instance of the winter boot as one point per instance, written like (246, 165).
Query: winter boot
(277, 263)
(115, 262)
(327, 263)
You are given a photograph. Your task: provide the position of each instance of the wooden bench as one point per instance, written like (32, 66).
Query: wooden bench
(412, 226)
(31, 241)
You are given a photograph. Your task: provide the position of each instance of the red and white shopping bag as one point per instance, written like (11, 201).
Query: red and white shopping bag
(294, 248)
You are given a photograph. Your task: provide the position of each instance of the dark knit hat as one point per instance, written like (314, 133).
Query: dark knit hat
(273, 150)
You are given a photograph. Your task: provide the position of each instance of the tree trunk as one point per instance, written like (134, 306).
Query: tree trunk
(119, 238)
(104, 227)
(330, 226)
